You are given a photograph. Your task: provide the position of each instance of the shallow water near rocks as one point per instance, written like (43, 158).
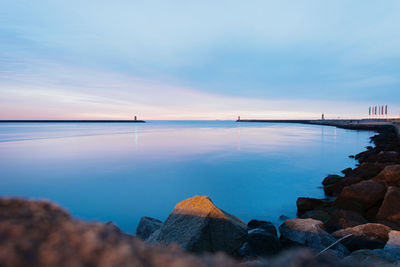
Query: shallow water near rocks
(119, 172)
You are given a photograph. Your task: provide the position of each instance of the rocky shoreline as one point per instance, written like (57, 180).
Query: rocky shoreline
(357, 224)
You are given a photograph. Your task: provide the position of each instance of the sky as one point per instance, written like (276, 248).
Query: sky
(98, 59)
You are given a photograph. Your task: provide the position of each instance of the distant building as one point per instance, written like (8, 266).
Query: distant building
(135, 118)
(323, 116)
(238, 118)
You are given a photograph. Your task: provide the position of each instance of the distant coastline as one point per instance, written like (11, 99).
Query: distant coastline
(72, 121)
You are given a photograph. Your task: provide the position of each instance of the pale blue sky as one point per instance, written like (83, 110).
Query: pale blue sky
(198, 59)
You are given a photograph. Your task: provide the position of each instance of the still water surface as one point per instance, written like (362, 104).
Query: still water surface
(120, 172)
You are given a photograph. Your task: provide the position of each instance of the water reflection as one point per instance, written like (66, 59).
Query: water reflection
(97, 172)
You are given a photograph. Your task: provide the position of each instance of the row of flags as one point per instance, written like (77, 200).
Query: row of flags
(378, 110)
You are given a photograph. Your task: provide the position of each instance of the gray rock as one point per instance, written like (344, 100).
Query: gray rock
(394, 240)
(309, 233)
(197, 225)
(375, 256)
(365, 236)
(147, 226)
(389, 176)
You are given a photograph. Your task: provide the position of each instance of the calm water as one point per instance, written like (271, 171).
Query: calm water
(120, 172)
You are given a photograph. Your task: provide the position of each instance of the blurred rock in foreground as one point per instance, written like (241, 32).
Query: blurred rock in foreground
(39, 233)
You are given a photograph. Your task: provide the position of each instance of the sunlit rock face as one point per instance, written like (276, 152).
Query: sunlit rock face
(197, 225)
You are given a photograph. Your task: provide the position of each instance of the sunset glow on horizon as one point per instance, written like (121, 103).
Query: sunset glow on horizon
(198, 61)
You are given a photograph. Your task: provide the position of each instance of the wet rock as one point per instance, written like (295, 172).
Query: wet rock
(375, 256)
(320, 215)
(389, 210)
(260, 243)
(346, 171)
(147, 226)
(367, 170)
(112, 227)
(389, 176)
(305, 204)
(366, 193)
(197, 225)
(336, 188)
(365, 236)
(331, 179)
(342, 219)
(394, 240)
(308, 233)
(267, 226)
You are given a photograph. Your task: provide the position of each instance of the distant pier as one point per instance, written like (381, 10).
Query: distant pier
(72, 121)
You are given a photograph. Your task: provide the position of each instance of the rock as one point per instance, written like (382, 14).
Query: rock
(394, 240)
(305, 204)
(375, 256)
(342, 219)
(389, 176)
(365, 236)
(346, 171)
(267, 226)
(320, 215)
(260, 243)
(389, 209)
(308, 233)
(197, 225)
(331, 179)
(366, 193)
(336, 188)
(112, 227)
(147, 226)
(367, 170)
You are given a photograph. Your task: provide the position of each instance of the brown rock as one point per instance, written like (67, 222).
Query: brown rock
(390, 208)
(305, 204)
(331, 179)
(197, 225)
(309, 233)
(389, 176)
(342, 219)
(365, 236)
(366, 193)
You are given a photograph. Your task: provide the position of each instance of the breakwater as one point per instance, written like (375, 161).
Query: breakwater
(355, 124)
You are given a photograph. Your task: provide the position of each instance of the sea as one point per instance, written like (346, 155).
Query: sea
(120, 172)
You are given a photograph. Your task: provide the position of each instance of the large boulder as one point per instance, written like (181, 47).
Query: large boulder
(361, 196)
(308, 233)
(197, 225)
(319, 214)
(365, 236)
(394, 240)
(342, 219)
(389, 210)
(147, 226)
(389, 176)
(41, 234)
(305, 204)
(331, 179)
